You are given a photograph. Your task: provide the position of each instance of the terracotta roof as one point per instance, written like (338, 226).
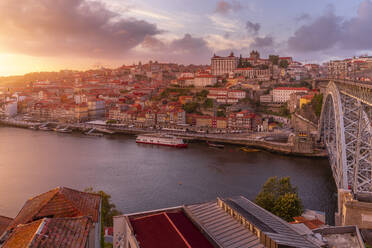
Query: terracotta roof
(50, 233)
(4, 223)
(311, 224)
(291, 88)
(57, 203)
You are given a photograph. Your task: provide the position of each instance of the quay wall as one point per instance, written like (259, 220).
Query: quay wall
(276, 147)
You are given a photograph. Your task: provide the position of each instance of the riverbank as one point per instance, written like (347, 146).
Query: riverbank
(234, 139)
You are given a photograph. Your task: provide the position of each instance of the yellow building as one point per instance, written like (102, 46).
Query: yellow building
(305, 100)
(221, 123)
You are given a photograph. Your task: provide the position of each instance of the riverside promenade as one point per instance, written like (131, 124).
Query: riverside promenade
(253, 139)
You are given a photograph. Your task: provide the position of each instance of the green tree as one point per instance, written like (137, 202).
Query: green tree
(208, 103)
(221, 114)
(288, 206)
(274, 59)
(317, 103)
(240, 64)
(279, 197)
(191, 107)
(202, 93)
(283, 64)
(284, 111)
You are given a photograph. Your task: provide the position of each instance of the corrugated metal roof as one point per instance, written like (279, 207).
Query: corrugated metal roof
(279, 230)
(223, 228)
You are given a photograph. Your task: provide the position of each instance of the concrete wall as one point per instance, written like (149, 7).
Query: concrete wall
(123, 233)
(299, 123)
(353, 212)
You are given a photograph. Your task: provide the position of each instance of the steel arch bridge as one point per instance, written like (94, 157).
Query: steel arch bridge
(346, 131)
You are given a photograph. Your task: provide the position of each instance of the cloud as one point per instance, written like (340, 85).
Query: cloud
(335, 33)
(321, 34)
(73, 27)
(252, 27)
(260, 42)
(153, 43)
(302, 17)
(187, 49)
(357, 32)
(224, 7)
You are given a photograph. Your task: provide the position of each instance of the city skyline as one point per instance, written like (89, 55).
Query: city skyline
(78, 34)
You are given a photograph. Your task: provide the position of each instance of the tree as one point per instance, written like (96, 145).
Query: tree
(191, 107)
(208, 103)
(108, 211)
(284, 111)
(221, 113)
(274, 59)
(240, 64)
(317, 103)
(288, 206)
(202, 93)
(283, 64)
(279, 197)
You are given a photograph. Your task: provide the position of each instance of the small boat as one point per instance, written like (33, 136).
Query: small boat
(215, 145)
(45, 128)
(161, 139)
(246, 149)
(64, 130)
(33, 127)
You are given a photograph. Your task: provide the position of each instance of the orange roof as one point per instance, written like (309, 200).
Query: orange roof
(59, 202)
(4, 223)
(56, 232)
(291, 88)
(311, 224)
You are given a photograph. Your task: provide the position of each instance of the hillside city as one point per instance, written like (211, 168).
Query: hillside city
(232, 94)
(270, 103)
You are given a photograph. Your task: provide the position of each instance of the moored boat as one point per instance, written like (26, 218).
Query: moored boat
(215, 145)
(33, 127)
(246, 149)
(64, 130)
(161, 139)
(45, 128)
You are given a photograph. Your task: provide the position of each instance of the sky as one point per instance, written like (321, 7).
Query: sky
(47, 35)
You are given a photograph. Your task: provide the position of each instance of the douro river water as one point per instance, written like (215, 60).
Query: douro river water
(144, 177)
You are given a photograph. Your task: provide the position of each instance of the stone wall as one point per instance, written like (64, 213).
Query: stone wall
(301, 124)
(353, 212)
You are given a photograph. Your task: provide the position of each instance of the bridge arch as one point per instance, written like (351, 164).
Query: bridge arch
(331, 131)
(346, 132)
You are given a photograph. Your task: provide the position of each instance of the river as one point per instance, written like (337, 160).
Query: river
(145, 177)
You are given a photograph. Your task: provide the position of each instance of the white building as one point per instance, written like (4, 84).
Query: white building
(224, 65)
(239, 94)
(266, 98)
(282, 94)
(205, 80)
(10, 108)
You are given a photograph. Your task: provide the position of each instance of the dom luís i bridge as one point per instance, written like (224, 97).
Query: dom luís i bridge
(346, 131)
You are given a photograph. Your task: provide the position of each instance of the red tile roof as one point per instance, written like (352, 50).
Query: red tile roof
(311, 224)
(50, 233)
(291, 88)
(167, 230)
(4, 223)
(59, 202)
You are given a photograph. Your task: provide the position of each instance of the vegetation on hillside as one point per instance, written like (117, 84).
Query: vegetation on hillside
(312, 110)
